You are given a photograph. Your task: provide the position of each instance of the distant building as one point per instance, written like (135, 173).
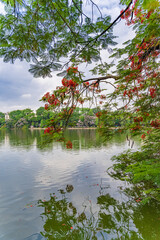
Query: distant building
(6, 116)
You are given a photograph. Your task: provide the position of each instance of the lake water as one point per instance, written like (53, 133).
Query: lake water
(57, 193)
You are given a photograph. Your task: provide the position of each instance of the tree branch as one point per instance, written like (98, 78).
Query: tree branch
(74, 34)
(113, 21)
(102, 78)
(98, 36)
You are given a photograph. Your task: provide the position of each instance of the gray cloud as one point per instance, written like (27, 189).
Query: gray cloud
(18, 88)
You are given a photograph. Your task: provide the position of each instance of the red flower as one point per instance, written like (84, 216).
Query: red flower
(65, 82)
(155, 123)
(124, 93)
(152, 92)
(47, 130)
(80, 100)
(72, 83)
(138, 119)
(137, 127)
(69, 144)
(56, 102)
(143, 136)
(47, 95)
(122, 14)
(72, 70)
(46, 106)
(98, 114)
(51, 99)
(86, 84)
(102, 97)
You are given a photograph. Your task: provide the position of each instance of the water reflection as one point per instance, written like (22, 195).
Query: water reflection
(92, 206)
(81, 139)
(113, 219)
(2, 136)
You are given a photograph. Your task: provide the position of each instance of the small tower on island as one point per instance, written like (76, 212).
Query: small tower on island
(6, 116)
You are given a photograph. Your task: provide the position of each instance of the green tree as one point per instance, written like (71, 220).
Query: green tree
(2, 115)
(21, 117)
(2, 119)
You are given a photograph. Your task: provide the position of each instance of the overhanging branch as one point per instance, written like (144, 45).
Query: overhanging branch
(102, 78)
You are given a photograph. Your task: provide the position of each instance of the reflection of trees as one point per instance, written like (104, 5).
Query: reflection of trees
(62, 220)
(19, 137)
(121, 220)
(116, 218)
(91, 138)
(80, 138)
(2, 136)
(22, 137)
(84, 138)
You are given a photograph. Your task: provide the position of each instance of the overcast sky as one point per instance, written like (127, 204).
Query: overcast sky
(18, 88)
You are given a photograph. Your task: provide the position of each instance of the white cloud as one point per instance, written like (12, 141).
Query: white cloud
(27, 95)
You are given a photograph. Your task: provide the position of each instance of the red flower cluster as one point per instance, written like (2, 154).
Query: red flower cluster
(138, 200)
(155, 124)
(69, 83)
(98, 114)
(80, 100)
(102, 97)
(72, 83)
(46, 106)
(143, 136)
(146, 114)
(94, 85)
(48, 130)
(98, 90)
(52, 100)
(46, 95)
(124, 93)
(137, 127)
(85, 84)
(152, 91)
(69, 144)
(72, 70)
(138, 119)
(126, 15)
(65, 82)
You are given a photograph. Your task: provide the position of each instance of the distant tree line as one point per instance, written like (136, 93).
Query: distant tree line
(82, 117)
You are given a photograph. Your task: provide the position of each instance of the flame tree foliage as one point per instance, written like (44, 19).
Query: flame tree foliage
(49, 33)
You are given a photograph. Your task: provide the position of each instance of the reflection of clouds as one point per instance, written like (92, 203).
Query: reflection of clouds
(29, 175)
(86, 172)
(59, 165)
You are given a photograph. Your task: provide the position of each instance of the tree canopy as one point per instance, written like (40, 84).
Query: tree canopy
(60, 35)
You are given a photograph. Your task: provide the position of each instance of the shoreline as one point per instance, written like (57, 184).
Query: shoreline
(34, 128)
(70, 128)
